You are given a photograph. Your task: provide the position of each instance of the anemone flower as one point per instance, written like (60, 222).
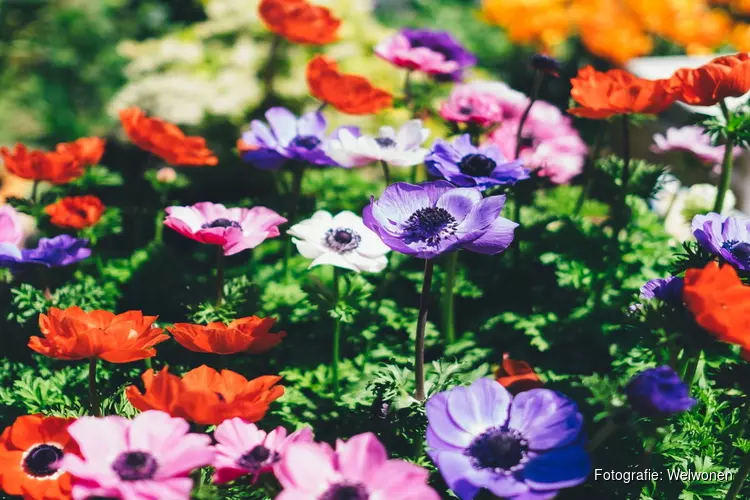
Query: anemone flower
(664, 289)
(60, 251)
(692, 139)
(658, 392)
(251, 334)
(76, 212)
(726, 237)
(11, 226)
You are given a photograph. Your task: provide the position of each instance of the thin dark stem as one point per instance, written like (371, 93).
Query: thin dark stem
(449, 320)
(609, 428)
(93, 397)
(424, 302)
(34, 191)
(621, 203)
(322, 106)
(159, 221)
(268, 72)
(336, 335)
(219, 276)
(538, 79)
(588, 172)
(386, 173)
(298, 172)
(726, 166)
(739, 478)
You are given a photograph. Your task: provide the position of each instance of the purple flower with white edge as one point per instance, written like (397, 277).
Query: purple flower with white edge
(692, 139)
(465, 165)
(433, 218)
(665, 289)
(442, 42)
(287, 137)
(59, 251)
(727, 237)
(658, 392)
(526, 447)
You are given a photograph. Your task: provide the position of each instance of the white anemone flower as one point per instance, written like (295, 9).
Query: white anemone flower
(343, 241)
(401, 149)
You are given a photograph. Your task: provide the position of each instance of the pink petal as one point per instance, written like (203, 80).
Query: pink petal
(307, 467)
(360, 456)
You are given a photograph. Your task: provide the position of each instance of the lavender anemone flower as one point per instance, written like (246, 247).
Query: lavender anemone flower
(59, 251)
(658, 392)
(727, 237)
(287, 138)
(433, 218)
(664, 289)
(524, 447)
(443, 43)
(464, 164)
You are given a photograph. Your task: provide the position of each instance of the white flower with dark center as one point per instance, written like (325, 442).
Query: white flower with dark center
(342, 241)
(402, 148)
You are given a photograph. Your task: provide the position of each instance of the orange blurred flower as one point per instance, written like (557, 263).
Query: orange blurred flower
(720, 303)
(54, 167)
(249, 334)
(517, 376)
(299, 21)
(205, 396)
(29, 452)
(77, 212)
(351, 94)
(165, 139)
(87, 150)
(602, 95)
(74, 334)
(726, 76)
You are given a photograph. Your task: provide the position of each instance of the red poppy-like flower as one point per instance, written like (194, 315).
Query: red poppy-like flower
(602, 95)
(54, 167)
(165, 140)
(30, 451)
(249, 334)
(205, 396)
(351, 94)
(87, 150)
(726, 76)
(299, 21)
(720, 302)
(77, 212)
(74, 334)
(517, 376)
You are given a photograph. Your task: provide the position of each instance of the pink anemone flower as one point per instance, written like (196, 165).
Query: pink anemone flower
(11, 226)
(692, 139)
(399, 51)
(357, 469)
(149, 457)
(244, 449)
(483, 102)
(235, 229)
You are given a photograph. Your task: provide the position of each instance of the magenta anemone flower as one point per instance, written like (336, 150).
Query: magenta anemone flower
(358, 469)
(150, 456)
(244, 449)
(484, 103)
(433, 218)
(235, 229)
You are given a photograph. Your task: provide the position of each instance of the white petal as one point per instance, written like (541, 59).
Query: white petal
(388, 132)
(410, 135)
(308, 249)
(365, 263)
(334, 259)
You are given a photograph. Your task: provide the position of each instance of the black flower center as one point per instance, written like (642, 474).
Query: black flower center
(345, 491)
(499, 449)
(41, 460)
(135, 466)
(429, 224)
(342, 239)
(256, 458)
(739, 249)
(221, 223)
(308, 142)
(385, 142)
(465, 110)
(527, 141)
(477, 165)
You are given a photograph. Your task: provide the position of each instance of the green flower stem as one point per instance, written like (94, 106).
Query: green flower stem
(424, 301)
(219, 275)
(609, 428)
(336, 335)
(386, 173)
(94, 407)
(739, 478)
(538, 79)
(689, 366)
(298, 172)
(726, 166)
(449, 321)
(159, 220)
(34, 191)
(588, 172)
(268, 72)
(741, 425)
(149, 364)
(621, 201)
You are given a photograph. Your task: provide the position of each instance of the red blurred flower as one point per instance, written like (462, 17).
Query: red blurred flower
(351, 94)
(74, 334)
(87, 150)
(165, 139)
(517, 376)
(299, 21)
(205, 396)
(77, 212)
(727, 76)
(245, 334)
(54, 167)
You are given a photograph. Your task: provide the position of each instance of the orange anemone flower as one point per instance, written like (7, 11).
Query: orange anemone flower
(87, 150)
(165, 139)
(54, 167)
(299, 21)
(74, 334)
(245, 334)
(602, 95)
(351, 94)
(517, 376)
(720, 303)
(727, 76)
(205, 396)
(29, 452)
(77, 212)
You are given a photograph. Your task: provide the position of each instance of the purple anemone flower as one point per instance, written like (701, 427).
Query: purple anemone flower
(59, 251)
(287, 138)
(727, 237)
(525, 447)
(464, 164)
(658, 392)
(443, 43)
(664, 289)
(432, 218)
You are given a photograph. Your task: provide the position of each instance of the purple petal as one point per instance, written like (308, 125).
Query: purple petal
(459, 474)
(265, 159)
(436, 189)
(496, 238)
(263, 135)
(312, 124)
(463, 146)
(283, 123)
(557, 469)
(441, 423)
(398, 203)
(545, 418)
(482, 216)
(460, 202)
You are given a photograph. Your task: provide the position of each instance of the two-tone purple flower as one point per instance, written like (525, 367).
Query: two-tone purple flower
(658, 392)
(665, 289)
(525, 447)
(727, 237)
(59, 251)
(464, 164)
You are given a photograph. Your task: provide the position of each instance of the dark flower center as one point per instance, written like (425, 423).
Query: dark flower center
(465, 110)
(385, 142)
(308, 142)
(527, 141)
(429, 224)
(135, 466)
(41, 460)
(345, 491)
(498, 449)
(257, 457)
(739, 249)
(342, 239)
(477, 165)
(221, 223)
